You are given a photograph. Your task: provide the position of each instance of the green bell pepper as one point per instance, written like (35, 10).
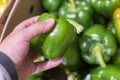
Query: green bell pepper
(52, 5)
(116, 58)
(111, 72)
(35, 78)
(37, 42)
(79, 11)
(76, 61)
(111, 27)
(85, 73)
(38, 76)
(58, 39)
(97, 44)
(105, 7)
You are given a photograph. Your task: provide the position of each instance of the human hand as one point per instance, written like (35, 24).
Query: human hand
(16, 47)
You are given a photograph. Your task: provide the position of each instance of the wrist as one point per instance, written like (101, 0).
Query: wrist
(8, 64)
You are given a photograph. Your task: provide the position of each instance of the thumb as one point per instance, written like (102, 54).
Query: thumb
(37, 29)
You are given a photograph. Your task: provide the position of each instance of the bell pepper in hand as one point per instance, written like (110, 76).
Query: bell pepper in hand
(38, 76)
(98, 45)
(111, 72)
(58, 39)
(80, 12)
(105, 7)
(37, 42)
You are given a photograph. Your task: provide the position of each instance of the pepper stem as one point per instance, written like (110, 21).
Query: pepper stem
(41, 59)
(70, 74)
(79, 27)
(97, 50)
(73, 5)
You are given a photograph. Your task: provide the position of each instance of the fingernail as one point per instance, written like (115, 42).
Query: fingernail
(51, 20)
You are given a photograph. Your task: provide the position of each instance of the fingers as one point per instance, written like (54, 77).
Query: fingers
(26, 23)
(47, 65)
(34, 30)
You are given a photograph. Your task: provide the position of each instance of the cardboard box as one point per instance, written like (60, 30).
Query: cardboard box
(16, 12)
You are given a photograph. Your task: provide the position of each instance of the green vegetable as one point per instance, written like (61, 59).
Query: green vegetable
(56, 41)
(79, 11)
(52, 5)
(105, 7)
(35, 78)
(76, 61)
(111, 72)
(37, 42)
(59, 39)
(38, 76)
(111, 27)
(98, 45)
(116, 57)
(85, 74)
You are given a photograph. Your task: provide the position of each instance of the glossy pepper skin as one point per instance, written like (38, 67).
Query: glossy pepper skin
(58, 39)
(105, 7)
(111, 72)
(52, 5)
(35, 78)
(116, 22)
(111, 27)
(116, 58)
(79, 11)
(37, 42)
(72, 52)
(98, 45)
(38, 76)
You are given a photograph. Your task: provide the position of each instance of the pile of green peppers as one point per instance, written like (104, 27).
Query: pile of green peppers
(86, 34)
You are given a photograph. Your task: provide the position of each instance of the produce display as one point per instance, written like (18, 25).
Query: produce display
(86, 34)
